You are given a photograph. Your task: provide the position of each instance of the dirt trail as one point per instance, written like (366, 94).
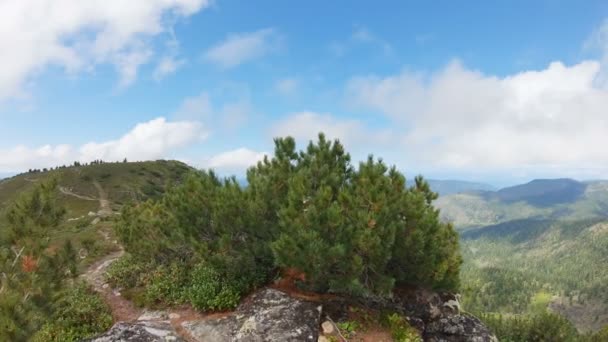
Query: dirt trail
(122, 308)
(69, 192)
(104, 203)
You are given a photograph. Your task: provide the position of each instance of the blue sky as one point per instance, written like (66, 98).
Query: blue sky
(500, 91)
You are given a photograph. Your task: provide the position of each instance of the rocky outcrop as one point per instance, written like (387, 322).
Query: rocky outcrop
(140, 331)
(269, 315)
(436, 315)
(456, 328)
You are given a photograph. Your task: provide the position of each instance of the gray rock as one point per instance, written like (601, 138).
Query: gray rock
(142, 331)
(436, 315)
(269, 315)
(456, 328)
(157, 315)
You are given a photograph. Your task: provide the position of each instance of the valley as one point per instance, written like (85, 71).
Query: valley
(533, 247)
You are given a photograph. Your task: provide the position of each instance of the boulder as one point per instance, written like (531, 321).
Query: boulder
(456, 328)
(268, 315)
(436, 315)
(141, 331)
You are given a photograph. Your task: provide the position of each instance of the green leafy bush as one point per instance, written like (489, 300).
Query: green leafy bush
(80, 313)
(211, 291)
(126, 272)
(166, 285)
(401, 330)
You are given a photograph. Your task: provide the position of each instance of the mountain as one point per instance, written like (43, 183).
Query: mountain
(526, 266)
(447, 187)
(92, 193)
(539, 245)
(539, 199)
(120, 182)
(543, 192)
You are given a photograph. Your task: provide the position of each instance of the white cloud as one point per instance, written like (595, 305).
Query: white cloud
(77, 35)
(238, 159)
(20, 158)
(242, 47)
(146, 141)
(168, 65)
(229, 115)
(286, 86)
(553, 118)
(306, 126)
(149, 140)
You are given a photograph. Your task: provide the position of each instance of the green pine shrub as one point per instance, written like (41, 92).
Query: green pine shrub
(353, 230)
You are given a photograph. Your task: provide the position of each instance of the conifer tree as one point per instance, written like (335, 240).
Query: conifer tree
(31, 273)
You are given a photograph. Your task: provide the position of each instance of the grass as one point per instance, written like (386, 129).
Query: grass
(122, 183)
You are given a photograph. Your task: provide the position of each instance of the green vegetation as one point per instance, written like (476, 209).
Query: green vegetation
(47, 238)
(533, 328)
(122, 182)
(79, 313)
(523, 268)
(400, 329)
(345, 230)
(36, 275)
(363, 320)
(518, 271)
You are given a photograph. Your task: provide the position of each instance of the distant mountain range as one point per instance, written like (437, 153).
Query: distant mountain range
(539, 199)
(449, 186)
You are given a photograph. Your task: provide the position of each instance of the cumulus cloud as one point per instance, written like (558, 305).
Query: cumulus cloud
(305, 126)
(77, 35)
(553, 118)
(239, 48)
(238, 159)
(149, 140)
(146, 141)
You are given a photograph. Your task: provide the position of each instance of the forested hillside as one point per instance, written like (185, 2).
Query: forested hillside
(535, 247)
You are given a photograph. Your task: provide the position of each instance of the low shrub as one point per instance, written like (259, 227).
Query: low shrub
(80, 313)
(211, 291)
(127, 272)
(400, 329)
(166, 285)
